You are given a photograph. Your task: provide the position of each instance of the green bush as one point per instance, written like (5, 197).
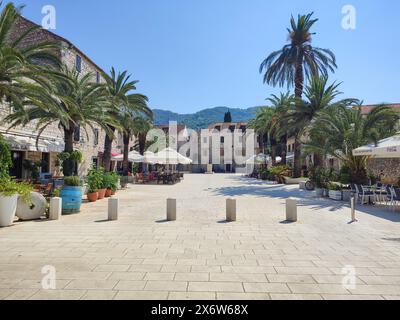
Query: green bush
(5, 158)
(95, 180)
(73, 181)
(111, 180)
(334, 186)
(9, 188)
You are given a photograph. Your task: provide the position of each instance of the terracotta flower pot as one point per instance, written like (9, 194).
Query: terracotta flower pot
(92, 197)
(102, 194)
(108, 193)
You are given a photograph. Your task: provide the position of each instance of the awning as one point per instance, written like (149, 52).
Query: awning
(386, 148)
(25, 143)
(133, 156)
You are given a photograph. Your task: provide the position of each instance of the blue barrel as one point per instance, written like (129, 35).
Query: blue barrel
(71, 199)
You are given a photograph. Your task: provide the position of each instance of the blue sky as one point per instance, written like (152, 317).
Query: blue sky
(195, 54)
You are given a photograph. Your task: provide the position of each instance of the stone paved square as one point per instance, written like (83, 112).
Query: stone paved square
(201, 256)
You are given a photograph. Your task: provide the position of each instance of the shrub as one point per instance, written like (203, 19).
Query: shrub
(111, 180)
(95, 180)
(9, 188)
(5, 157)
(73, 181)
(334, 186)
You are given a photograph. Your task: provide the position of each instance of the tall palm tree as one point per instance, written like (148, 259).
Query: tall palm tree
(142, 125)
(295, 63)
(21, 62)
(119, 88)
(279, 128)
(338, 130)
(129, 125)
(74, 102)
(318, 96)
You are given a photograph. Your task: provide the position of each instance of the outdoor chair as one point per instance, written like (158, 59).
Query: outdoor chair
(364, 193)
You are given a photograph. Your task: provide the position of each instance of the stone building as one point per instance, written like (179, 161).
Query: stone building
(23, 139)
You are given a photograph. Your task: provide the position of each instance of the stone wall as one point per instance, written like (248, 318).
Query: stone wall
(67, 55)
(387, 169)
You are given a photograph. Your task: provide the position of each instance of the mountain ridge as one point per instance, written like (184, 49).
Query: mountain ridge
(203, 118)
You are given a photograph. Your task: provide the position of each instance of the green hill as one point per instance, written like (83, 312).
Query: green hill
(203, 118)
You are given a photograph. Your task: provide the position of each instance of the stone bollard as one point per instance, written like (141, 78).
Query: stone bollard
(291, 210)
(171, 209)
(353, 208)
(231, 210)
(55, 208)
(113, 209)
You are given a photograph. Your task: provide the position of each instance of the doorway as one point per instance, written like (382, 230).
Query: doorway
(17, 159)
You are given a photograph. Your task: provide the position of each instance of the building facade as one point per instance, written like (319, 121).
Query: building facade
(23, 139)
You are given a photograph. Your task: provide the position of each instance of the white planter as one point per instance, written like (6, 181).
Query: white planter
(319, 192)
(335, 195)
(8, 207)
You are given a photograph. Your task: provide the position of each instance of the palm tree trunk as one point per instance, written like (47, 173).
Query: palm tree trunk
(299, 86)
(273, 151)
(108, 142)
(68, 166)
(125, 162)
(297, 157)
(142, 143)
(283, 150)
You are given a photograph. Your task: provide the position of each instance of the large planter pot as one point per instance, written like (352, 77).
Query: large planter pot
(108, 193)
(32, 210)
(92, 197)
(71, 199)
(346, 195)
(335, 195)
(8, 207)
(102, 193)
(319, 192)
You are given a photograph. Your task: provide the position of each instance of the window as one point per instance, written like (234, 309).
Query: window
(95, 162)
(96, 137)
(98, 77)
(222, 139)
(78, 63)
(77, 134)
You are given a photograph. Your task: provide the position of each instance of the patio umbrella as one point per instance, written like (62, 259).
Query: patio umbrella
(168, 156)
(386, 148)
(133, 156)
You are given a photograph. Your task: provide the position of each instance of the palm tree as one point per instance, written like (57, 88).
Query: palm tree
(318, 96)
(142, 125)
(338, 130)
(119, 87)
(279, 128)
(295, 63)
(129, 125)
(74, 102)
(21, 62)
(262, 126)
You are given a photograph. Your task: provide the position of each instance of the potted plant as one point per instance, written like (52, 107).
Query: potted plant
(94, 182)
(335, 191)
(71, 195)
(102, 184)
(111, 180)
(9, 193)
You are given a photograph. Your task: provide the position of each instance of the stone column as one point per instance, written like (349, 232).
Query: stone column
(171, 209)
(55, 208)
(113, 209)
(231, 210)
(291, 210)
